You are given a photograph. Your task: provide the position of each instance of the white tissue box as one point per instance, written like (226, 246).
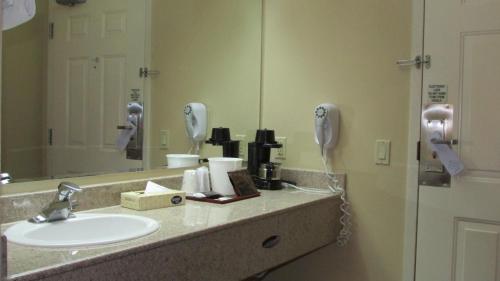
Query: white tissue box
(139, 201)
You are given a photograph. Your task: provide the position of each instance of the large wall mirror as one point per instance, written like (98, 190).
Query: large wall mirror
(72, 75)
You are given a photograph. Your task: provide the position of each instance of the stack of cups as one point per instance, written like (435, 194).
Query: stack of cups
(195, 181)
(203, 179)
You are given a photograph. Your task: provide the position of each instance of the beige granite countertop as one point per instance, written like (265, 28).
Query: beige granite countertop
(177, 223)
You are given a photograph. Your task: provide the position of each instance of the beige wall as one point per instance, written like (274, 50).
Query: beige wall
(314, 51)
(208, 52)
(23, 93)
(344, 52)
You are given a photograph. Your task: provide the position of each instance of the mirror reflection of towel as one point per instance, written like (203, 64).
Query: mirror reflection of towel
(17, 12)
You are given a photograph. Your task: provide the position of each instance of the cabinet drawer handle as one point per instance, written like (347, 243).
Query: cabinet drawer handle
(271, 241)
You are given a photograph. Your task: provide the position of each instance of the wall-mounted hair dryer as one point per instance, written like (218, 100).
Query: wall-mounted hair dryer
(196, 123)
(327, 126)
(17, 12)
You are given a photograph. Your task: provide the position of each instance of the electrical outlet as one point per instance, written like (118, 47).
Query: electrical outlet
(243, 146)
(164, 139)
(281, 152)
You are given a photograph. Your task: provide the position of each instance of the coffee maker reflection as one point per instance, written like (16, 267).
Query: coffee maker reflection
(266, 174)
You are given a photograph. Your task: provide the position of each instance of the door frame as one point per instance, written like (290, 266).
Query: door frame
(1, 57)
(3, 248)
(147, 140)
(414, 117)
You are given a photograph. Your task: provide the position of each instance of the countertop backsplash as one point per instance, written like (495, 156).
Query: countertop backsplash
(22, 206)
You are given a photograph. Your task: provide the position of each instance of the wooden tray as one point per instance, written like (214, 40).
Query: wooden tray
(215, 201)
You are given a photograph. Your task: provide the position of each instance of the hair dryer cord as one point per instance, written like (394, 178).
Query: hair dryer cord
(345, 219)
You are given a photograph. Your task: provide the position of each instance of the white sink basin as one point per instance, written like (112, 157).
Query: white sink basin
(83, 230)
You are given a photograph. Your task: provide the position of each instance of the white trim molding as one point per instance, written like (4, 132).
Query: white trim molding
(3, 248)
(411, 210)
(147, 142)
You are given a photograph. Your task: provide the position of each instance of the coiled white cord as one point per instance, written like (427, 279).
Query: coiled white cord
(334, 186)
(345, 219)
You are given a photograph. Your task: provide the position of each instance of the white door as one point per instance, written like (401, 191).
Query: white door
(94, 60)
(459, 226)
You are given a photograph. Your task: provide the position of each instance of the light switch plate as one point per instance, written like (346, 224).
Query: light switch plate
(382, 152)
(164, 139)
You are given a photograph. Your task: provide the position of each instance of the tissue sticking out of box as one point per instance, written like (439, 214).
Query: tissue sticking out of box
(152, 187)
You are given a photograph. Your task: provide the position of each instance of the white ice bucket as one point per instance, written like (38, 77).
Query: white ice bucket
(218, 173)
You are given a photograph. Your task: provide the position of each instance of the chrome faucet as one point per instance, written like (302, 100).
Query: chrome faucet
(61, 207)
(5, 178)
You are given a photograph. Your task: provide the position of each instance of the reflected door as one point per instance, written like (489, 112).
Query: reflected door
(95, 54)
(459, 225)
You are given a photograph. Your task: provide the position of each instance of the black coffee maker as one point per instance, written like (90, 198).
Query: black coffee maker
(266, 174)
(222, 137)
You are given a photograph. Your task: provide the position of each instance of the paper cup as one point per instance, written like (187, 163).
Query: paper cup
(190, 182)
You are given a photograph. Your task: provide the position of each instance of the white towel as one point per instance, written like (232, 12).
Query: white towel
(17, 12)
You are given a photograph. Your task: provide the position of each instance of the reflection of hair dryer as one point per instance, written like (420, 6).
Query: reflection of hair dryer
(196, 123)
(327, 123)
